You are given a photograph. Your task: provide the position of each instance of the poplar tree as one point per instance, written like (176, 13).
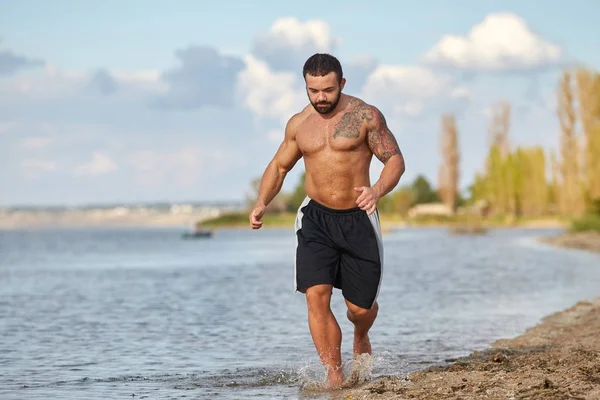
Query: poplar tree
(449, 174)
(570, 196)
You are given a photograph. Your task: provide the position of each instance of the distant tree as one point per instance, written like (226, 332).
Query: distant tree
(298, 195)
(499, 184)
(530, 183)
(449, 168)
(571, 200)
(588, 94)
(404, 199)
(277, 205)
(253, 194)
(423, 191)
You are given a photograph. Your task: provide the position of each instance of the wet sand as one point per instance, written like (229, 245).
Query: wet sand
(581, 240)
(557, 359)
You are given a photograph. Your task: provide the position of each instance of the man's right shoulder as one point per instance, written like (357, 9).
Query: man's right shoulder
(297, 119)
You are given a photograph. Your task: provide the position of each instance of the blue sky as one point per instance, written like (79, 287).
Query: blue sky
(175, 101)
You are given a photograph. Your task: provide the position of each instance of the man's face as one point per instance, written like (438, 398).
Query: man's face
(324, 92)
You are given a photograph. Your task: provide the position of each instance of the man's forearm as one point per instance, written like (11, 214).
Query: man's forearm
(270, 184)
(390, 175)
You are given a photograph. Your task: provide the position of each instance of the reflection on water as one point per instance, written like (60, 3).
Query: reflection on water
(106, 313)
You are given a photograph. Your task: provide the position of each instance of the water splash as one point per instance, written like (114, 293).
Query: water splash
(361, 370)
(312, 377)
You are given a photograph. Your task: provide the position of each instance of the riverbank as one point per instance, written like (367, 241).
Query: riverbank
(390, 221)
(577, 240)
(100, 218)
(557, 359)
(184, 219)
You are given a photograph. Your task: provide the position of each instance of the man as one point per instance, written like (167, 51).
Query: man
(337, 226)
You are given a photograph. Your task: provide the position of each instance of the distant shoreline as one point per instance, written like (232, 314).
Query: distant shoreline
(392, 221)
(589, 241)
(186, 221)
(91, 220)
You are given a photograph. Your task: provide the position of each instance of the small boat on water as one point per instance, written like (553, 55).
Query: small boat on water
(198, 232)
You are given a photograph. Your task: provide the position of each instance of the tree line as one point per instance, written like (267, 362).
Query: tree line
(533, 181)
(514, 181)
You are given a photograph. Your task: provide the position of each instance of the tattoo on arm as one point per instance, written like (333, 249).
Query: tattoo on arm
(351, 122)
(381, 141)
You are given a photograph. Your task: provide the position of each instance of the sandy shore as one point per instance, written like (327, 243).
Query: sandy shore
(582, 240)
(557, 359)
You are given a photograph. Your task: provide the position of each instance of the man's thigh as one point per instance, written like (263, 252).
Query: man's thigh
(361, 261)
(361, 280)
(316, 264)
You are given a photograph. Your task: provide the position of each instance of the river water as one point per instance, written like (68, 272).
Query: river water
(143, 314)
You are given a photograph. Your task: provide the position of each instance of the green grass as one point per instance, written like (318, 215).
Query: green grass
(276, 220)
(242, 220)
(586, 223)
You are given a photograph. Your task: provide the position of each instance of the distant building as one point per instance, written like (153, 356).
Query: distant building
(430, 209)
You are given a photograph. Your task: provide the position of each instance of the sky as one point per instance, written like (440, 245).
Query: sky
(146, 100)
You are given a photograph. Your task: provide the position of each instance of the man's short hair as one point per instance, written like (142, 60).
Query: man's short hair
(321, 64)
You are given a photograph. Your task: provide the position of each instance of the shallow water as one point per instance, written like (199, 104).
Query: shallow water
(141, 313)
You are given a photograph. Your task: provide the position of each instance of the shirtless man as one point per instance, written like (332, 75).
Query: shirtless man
(337, 227)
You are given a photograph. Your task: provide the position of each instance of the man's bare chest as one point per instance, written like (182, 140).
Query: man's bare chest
(346, 133)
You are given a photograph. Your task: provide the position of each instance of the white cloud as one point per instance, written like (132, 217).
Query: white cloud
(409, 91)
(289, 41)
(52, 82)
(269, 94)
(46, 133)
(33, 143)
(100, 164)
(183, 167)
(150, 76)
(6, 126)
(501, 42)
(461, 92)
(411, 81)
(275, 135)
(294, 33)
(409, 108)
(57, 83)
(34, 168)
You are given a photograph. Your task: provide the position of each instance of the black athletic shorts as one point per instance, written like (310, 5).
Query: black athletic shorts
(342, 248)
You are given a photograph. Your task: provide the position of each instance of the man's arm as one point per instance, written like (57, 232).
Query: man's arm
(384, 146)
(272, 179)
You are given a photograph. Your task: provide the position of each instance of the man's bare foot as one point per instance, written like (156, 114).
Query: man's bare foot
(335, 379)
(362, 344)
(361, 370)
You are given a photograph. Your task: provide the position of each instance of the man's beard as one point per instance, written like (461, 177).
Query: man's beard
(325, 107)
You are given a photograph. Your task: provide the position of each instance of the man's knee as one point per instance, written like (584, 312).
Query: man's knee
(355, 312)
(319, 295)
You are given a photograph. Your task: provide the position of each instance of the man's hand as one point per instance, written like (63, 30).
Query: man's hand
(368, 199)
(256, 216)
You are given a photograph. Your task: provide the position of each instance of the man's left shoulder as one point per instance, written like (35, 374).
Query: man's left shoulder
(368, 112)
(362, 105)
